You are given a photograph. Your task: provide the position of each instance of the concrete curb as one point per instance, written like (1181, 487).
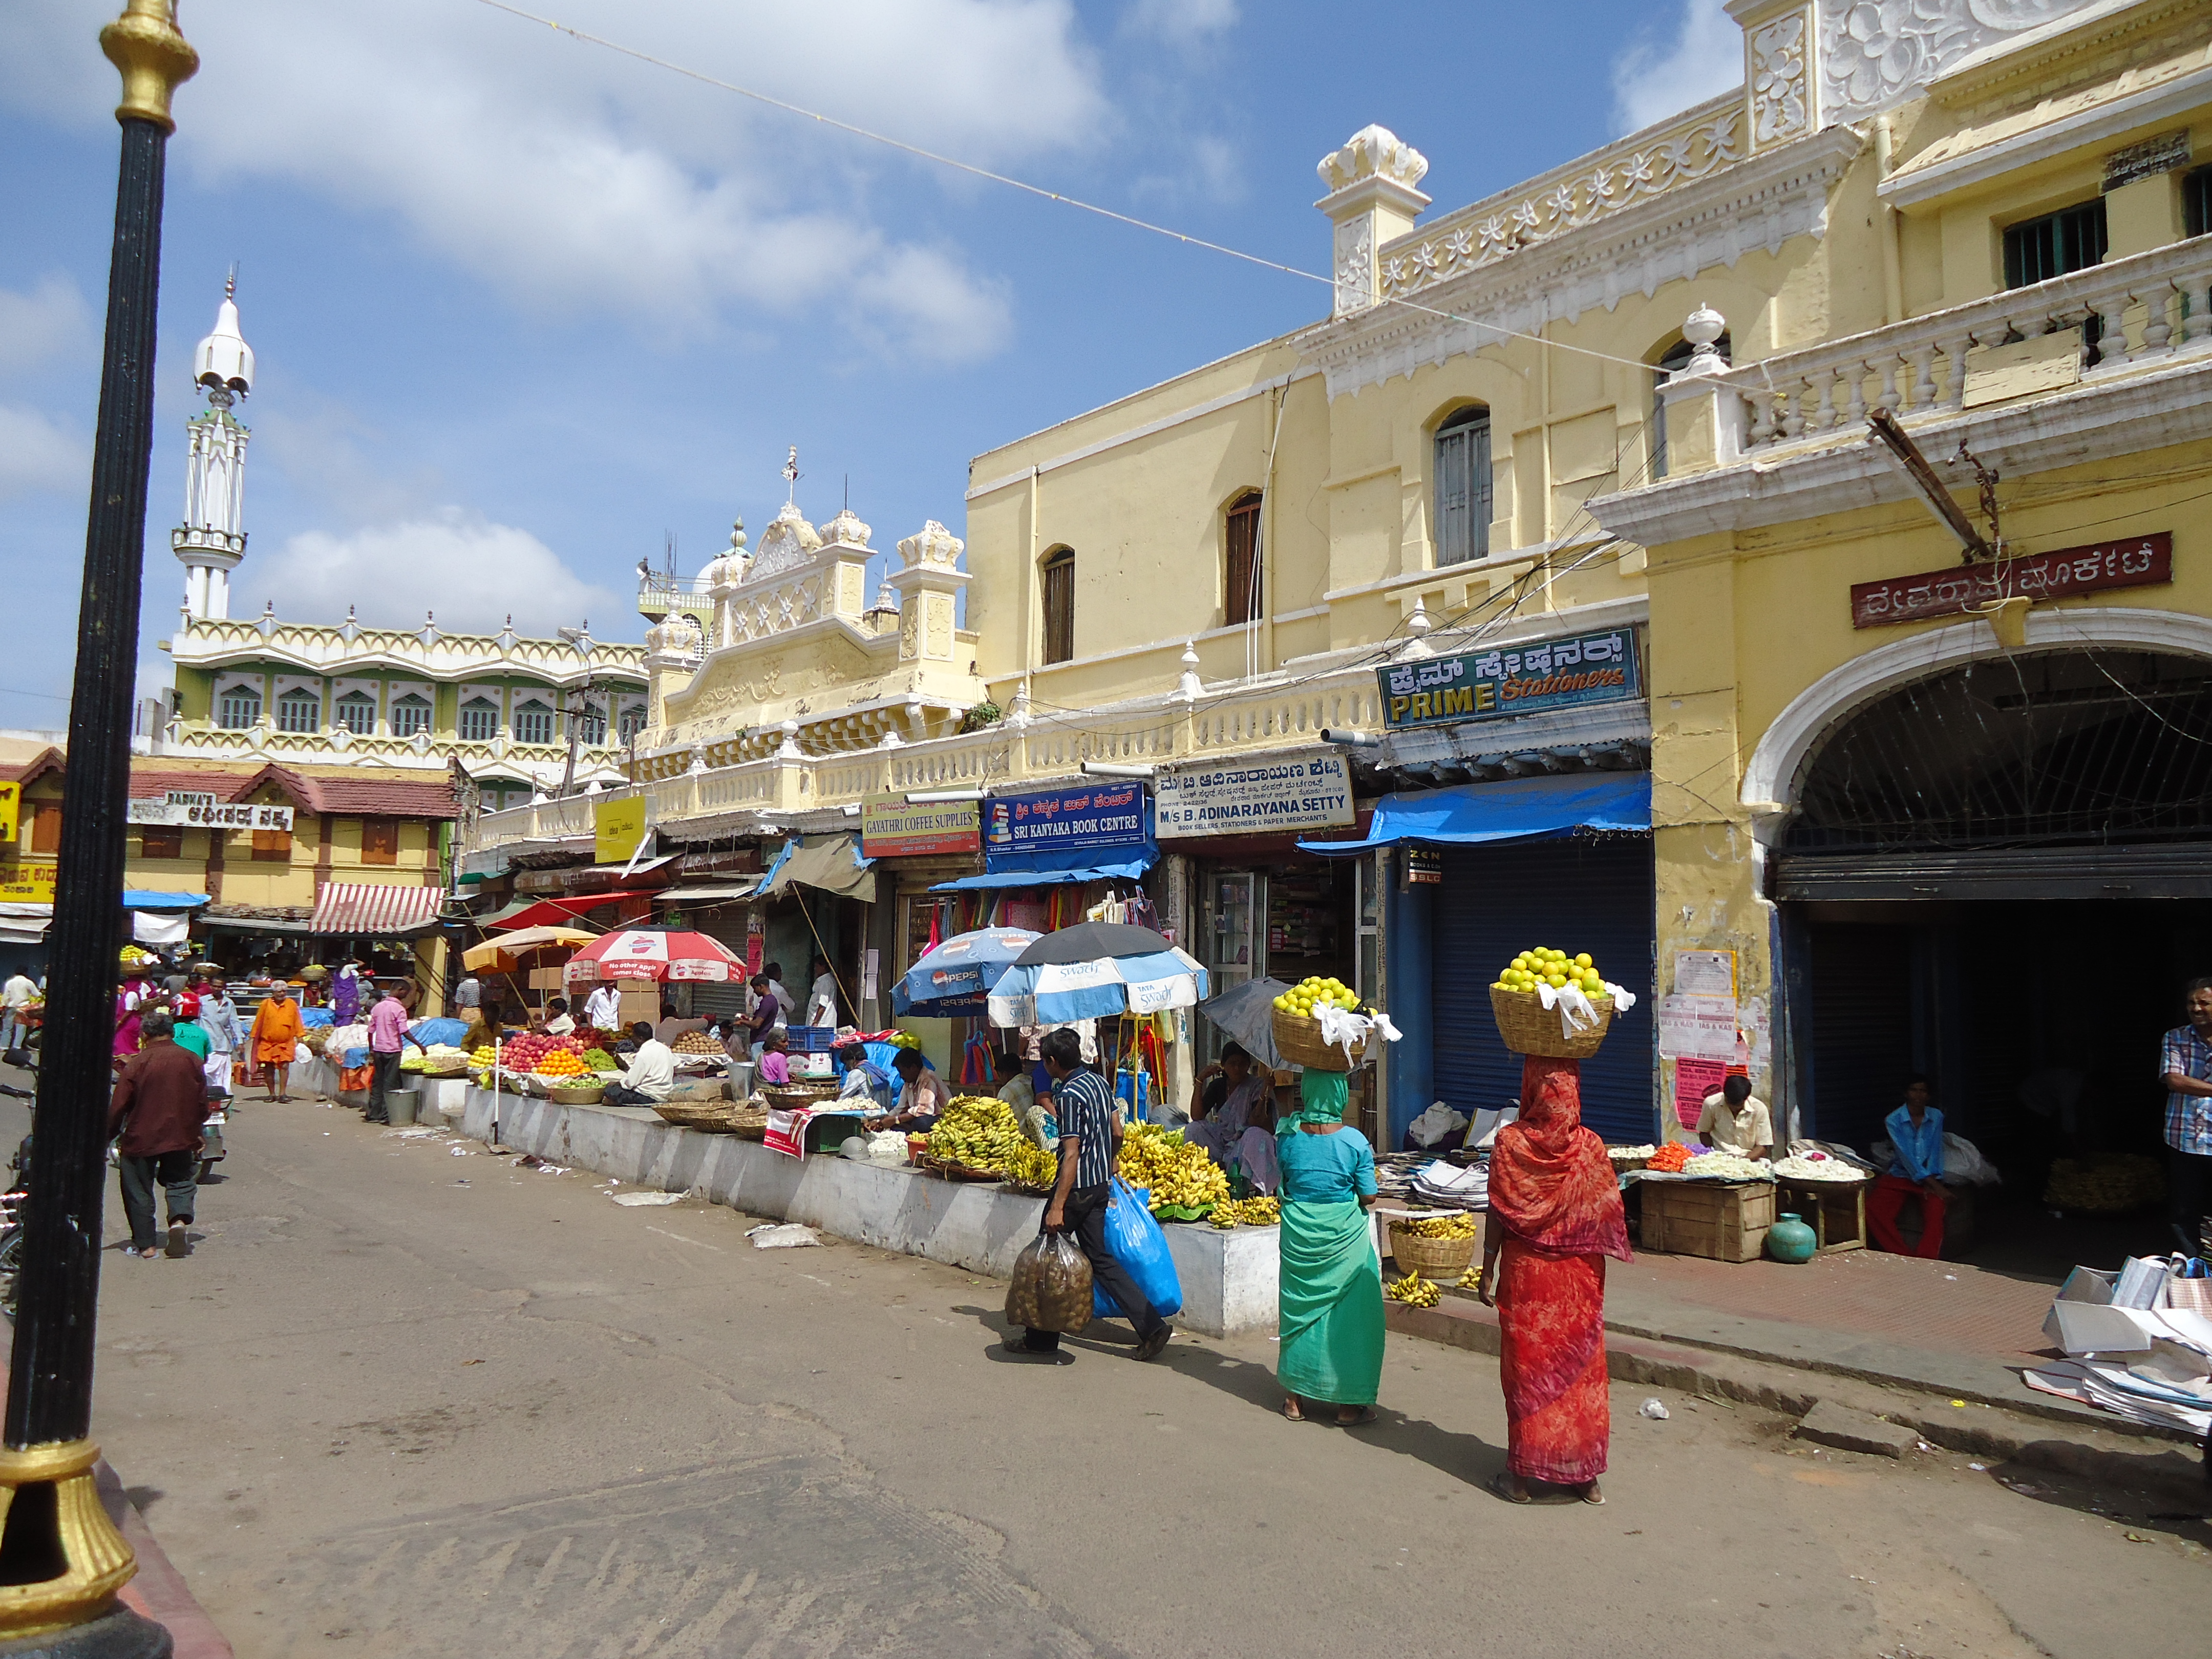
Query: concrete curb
(1996, 1430)
(159, 1591)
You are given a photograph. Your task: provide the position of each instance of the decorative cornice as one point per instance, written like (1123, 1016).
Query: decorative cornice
(424, 655)
(1758, 202)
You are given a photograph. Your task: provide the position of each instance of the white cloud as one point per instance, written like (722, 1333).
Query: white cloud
(36, 454)
(49, 321)
(572, 178)
(1181, 22)
(1655, 78)
(474, 574)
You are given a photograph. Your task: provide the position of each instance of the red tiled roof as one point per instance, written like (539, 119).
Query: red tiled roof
(364, 793)
(28, 771)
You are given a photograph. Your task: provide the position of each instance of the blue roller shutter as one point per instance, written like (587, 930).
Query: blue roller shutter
(1578, 893)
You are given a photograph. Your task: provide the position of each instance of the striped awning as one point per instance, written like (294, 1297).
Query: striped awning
(379, 908)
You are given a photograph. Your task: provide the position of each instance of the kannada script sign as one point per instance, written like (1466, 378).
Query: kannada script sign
(2138, 561)
(1523, 680)
(211, 814)
(1312, 793)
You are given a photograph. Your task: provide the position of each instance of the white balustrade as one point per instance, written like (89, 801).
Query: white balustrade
(2128, 315)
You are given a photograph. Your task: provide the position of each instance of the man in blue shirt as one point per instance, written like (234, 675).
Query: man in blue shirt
(1915, 1169)
(2186, 1065)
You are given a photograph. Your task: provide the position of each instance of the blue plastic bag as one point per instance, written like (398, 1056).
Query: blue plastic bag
(1134, 1240)
(311, 1018)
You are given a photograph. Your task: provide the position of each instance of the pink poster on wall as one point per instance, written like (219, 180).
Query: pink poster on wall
(1693, 1081)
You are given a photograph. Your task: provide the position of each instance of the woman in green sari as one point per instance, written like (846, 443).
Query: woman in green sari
(1331, 1298)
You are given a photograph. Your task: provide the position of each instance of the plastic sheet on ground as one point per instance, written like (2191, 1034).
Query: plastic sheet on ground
(781, 1235)
(634, 1201)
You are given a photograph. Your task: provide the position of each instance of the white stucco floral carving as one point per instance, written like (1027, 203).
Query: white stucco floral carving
(1355, 267)
(790, 542)
(1778, 103)
(1874, 53)
(1373, 152)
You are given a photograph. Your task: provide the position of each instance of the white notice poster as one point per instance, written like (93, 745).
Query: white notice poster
(1697, 1028)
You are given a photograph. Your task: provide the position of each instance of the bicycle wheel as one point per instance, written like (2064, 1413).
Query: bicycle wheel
(11, 1268)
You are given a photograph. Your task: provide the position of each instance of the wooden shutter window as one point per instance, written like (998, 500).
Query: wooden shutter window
(1059, 606)
(272, 846)
(1463, 487)
(1240, 592)
(46, 827)
(379, 840)
(161, 841)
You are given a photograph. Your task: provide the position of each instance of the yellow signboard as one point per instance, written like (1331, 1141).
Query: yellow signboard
(26, 884)
(618, 826)
(11, 805)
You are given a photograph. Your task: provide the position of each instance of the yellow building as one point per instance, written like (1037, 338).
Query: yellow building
(1930, 786)
(1544, 539)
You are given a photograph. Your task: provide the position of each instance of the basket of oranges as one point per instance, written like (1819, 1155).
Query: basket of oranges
(1528, 1027)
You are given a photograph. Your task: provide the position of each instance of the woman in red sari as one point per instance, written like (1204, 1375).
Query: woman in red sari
(1555, 1215)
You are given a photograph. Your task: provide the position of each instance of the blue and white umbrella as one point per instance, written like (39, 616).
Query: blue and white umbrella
(951, 980)
(1134, 971)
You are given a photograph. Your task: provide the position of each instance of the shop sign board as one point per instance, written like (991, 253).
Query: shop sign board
(26, 884)
(2135, 562)
(617, 827)
(1068, 828)
(205, 811)
(1313, 793)
(1424, 867)
(893, 828)
(11, 807)
(1526, 679)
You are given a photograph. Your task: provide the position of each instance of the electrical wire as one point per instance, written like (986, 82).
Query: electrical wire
(1012, 183)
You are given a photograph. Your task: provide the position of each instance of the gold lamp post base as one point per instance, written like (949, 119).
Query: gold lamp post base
(61, 1558)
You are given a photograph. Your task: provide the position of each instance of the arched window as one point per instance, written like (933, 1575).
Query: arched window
(1671, 362)
(411, 715)
(1463, 492)
(1060, 605)
(1241, 576)
(533, 722)
(356, 712)
(299, 710)
(630, 722)
(479, 721)
(591, 724)
(238, 708)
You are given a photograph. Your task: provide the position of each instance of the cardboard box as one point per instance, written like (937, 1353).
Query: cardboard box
(545, 979)
(639, 1003)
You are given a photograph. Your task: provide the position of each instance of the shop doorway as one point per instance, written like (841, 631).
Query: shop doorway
(1999, 876)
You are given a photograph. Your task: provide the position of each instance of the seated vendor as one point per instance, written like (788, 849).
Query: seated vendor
(1737, 1120)
(557, 1022)
(1915, 1169)
(1012, 1074)
(864, 1080)
(921, 1100)
(652, 1072)
(775, 1064)
(1235, 1116)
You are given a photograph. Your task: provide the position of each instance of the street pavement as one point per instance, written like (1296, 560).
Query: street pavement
(402, 1401)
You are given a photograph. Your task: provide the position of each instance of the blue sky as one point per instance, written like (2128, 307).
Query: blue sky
(522, 306)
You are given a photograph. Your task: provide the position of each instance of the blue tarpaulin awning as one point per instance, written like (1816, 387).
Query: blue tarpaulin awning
(1130, 871)
(137, 898)
(1518, 809)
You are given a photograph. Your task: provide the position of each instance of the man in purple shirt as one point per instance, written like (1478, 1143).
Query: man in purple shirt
(388, 1035)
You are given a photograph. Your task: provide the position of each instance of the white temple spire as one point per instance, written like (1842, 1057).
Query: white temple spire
(211, 541)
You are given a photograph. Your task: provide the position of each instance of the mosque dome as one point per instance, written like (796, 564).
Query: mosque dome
(223, 359)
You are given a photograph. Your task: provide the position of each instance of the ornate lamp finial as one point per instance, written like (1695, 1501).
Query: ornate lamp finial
(153, 57)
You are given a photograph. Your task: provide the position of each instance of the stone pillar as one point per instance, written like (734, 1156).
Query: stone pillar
(929, 594)
(1371, 200)
(1704, 416)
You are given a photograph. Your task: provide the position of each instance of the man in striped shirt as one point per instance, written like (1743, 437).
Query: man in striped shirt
(1089, 1129)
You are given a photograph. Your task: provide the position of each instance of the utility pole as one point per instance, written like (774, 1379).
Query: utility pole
(62, 1560)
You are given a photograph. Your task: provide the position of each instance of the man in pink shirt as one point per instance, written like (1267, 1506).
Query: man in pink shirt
(388, 1035)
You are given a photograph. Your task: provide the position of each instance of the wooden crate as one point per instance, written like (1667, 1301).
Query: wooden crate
(1834, 1210)
(1700, 1218)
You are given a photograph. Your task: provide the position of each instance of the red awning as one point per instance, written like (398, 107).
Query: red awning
(554, 911)
(358, 907)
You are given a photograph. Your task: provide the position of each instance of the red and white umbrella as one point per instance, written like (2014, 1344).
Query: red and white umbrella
(642, 953)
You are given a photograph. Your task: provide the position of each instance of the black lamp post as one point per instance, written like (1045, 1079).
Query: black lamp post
(61, 1560)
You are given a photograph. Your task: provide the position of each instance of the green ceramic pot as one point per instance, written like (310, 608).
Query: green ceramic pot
(1791, 1240)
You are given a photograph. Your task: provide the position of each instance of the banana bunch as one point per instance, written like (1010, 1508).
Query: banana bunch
(1258, 1211)
(1175, 1172)
(1031, 1165)
(1414, 1291)
(1459, 1224)
(1472, 1278)
(977, 1132)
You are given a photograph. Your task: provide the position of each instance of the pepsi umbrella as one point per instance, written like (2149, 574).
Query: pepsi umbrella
(951, 980)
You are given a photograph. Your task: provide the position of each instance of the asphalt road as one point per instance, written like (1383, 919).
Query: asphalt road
(400, 1402)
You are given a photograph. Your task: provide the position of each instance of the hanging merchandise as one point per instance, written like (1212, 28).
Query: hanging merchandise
(976, 1063)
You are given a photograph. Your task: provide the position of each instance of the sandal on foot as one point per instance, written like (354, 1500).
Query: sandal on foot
(1292, 1412)
(1502, 1484)
(1360, 1420)
(1590, 1494)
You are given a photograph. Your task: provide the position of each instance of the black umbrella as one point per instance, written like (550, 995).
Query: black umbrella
(1093, 941)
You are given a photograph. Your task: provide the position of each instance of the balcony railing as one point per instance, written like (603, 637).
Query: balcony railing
(2129, 316)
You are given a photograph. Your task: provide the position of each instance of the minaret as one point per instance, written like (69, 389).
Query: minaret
(212, 538)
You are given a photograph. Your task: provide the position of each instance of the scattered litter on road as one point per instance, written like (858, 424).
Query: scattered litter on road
(2137, 1538)
(631, 1201)
(789, 1235)
(2024, 1488)
(472, 1362)
(1961, 1404)
(411, 1135)
(1923, 1445)
(551, 1169)
(464, 1151)
(1979, 1468)
(532, 1161)
(463, 1182)
(1655, 1409)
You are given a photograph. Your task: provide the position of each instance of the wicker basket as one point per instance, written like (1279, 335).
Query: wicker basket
(749, 1120)
(1439, 1258)
(709, 1115)
(580, 1094)
(1297, 1039)
(798, 1098)
(1529, 1027)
